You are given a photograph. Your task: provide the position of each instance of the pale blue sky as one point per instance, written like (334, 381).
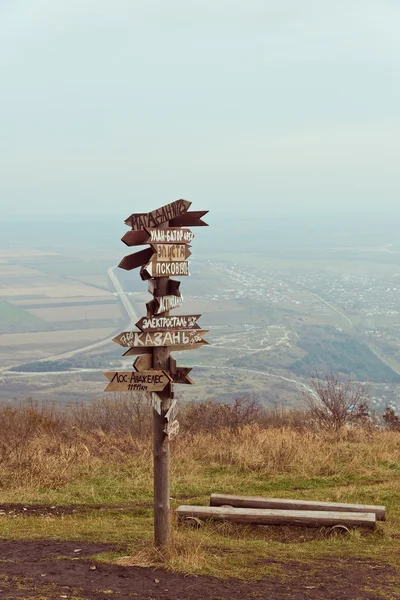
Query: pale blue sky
(124, 105)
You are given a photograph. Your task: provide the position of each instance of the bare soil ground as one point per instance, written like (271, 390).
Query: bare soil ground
(52, 570)
(72, 570)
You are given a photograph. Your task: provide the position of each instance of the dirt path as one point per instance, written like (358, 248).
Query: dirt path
(49, 570)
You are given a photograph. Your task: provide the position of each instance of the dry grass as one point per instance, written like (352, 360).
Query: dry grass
(101, 453)
(42, 447)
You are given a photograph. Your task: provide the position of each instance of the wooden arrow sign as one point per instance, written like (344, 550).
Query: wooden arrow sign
(144, 362)
(189, 219)
(131, 381)
(179, 374)
(162, 304)
(136, 238)
(168, 323)
(171, 252)
(172, 290)
(159, 216)
(133, 261)
(157, 268)
(140, 351)
(169, 235)
(156, 253)
(176, 348)
(180, 337)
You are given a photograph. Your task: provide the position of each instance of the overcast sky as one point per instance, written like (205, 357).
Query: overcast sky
(125, 105)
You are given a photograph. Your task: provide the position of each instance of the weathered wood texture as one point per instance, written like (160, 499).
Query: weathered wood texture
(138, 259)
(159, 254)
(136, 238)
(134, 339)
(138, 351)
(288, 504)
(161, 323)
(170, 235)
(171, 252)
(179, 374)
(144, 362)
(159, 216)
(163, 304)
(161, 448)
(132, 381)
(172, 288)
(190, 219)
(260, 516)
(156, 268)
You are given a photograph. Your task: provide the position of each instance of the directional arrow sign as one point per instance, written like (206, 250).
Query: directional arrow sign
(179, 374)
(189, 219)
(159, 216)
(180, 337)
(131, 381)
(171, 252)
(157, 268)
(144, 362)
(157, 252)
(152, 324)
(133, 261)
(136, 238)
(176, 348)
(169, 235)
(162, 304)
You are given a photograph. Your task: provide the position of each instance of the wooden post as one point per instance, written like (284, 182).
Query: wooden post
(162, 527)
(166, 256)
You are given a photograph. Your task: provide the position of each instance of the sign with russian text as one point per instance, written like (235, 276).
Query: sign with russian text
(159, 216)
(132, 339)
(132, 381)
(172, 322)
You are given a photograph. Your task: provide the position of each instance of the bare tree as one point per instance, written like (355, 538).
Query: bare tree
(335, 402)
(391, 420)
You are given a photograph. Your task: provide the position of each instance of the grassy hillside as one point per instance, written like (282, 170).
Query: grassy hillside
(101, 455)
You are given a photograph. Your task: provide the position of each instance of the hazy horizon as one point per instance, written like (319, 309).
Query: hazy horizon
(259, 106)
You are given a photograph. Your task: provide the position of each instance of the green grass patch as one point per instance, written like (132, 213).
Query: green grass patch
(15, 318)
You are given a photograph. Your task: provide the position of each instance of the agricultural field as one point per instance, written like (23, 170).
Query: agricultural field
(273, 318)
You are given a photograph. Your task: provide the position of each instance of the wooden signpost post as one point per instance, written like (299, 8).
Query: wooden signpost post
(166, 230)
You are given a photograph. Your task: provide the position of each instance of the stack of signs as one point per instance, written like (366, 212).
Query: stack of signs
(168, 234)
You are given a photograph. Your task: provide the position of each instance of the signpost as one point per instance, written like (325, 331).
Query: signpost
(166, 231)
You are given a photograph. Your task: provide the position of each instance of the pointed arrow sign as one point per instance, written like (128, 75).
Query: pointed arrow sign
(153, 324)
(189, 219)
(157, 268)
(171, 252)
(157, 253)
(180, 337)
(179, 374)
(159, 216)
(144, 362)
(162, 304)
(136, 260)
(169, 235)
(131, 381)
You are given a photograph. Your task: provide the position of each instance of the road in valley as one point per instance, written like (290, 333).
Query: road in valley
(132, 316)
